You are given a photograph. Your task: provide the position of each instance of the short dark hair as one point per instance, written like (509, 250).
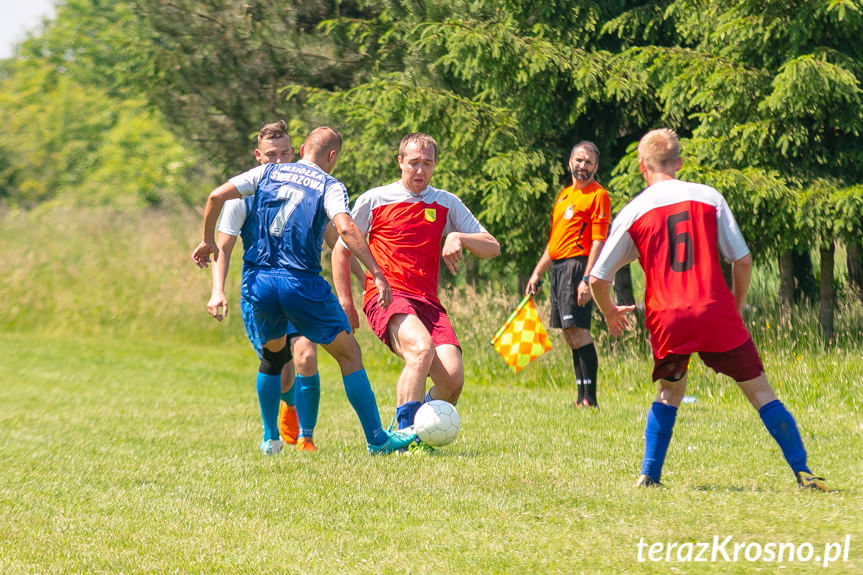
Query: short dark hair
(589, 146)
(273, 131)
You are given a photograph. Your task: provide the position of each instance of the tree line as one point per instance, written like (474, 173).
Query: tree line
(766, 96)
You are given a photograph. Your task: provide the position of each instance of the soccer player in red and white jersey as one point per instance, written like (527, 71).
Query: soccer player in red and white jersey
(678, 230)
(406, 222)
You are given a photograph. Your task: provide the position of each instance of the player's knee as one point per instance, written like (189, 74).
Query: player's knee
(420, 350)
(418, 359)
(305, 359)
(272, 362)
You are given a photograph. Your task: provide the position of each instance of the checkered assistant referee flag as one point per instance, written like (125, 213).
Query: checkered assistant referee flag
(522, 338)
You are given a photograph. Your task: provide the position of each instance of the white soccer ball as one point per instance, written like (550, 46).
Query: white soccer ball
(437, 423)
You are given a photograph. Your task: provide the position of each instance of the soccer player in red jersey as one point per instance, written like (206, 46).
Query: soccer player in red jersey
(678, 230)
(411, 226)
(579, 225)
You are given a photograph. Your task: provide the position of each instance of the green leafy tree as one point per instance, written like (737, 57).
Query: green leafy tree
(506, 88)
(74, 133)
(767, 96)
(220, 66)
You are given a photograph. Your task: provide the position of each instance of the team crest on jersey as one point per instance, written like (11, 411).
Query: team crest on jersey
(431, 214)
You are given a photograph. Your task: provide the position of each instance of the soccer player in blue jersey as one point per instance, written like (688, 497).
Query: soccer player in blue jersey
(298, 410)
(289, 207)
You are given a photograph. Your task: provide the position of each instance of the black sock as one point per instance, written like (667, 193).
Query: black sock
(589, 368)
(579, 375)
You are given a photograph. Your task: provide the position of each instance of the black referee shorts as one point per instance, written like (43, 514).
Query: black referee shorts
(566, 274)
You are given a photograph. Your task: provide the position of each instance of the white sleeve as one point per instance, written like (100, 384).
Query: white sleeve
(732, 246)
(247, 182)
(233, 217)
(362, 213)
(618, 250)
(460, 219)
(336, 199)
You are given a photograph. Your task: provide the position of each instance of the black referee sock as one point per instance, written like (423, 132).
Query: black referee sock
(579, 376)
(589, 367)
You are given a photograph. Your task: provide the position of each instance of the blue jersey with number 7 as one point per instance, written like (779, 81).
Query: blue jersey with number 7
(287, 209)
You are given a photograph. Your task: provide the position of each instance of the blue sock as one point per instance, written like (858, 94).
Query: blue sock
(288, 396)
(405, 413)
(428, 397)
(657, 436)
(308, 400)
(362, 398)
(269, 394)
(780, 423)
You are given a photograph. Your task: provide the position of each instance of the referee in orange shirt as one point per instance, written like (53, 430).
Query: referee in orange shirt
(579, 226)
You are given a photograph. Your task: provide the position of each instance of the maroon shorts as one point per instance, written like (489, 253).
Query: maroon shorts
(741, 363)
(432, 315)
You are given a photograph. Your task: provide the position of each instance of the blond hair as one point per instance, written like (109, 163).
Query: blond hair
(660, 150)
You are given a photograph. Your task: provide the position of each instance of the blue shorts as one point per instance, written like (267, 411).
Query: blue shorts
(252, 331)
(275, 300)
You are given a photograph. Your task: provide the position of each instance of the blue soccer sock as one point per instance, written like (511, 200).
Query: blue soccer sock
(657, 436)
(780, 423)
(428, 397)
(289, 396)
(308, 400)
(406, 412)
(362, 398)
(269, 393)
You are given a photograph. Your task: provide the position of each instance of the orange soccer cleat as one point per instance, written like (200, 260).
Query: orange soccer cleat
(306, 444)
(289, 425)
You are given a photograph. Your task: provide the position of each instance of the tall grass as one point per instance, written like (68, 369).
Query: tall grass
(129, 274)
(99, 271)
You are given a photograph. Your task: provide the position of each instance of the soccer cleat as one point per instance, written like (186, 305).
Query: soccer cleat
(395, 440)
(808, 481)
(645, 480)
(289, 425)
(271, 446)
(420, 447)
(306, 444)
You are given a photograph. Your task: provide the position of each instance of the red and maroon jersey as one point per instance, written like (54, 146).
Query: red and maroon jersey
(405, 232)
(678, 230)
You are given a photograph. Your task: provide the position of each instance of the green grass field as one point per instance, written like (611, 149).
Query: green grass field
(129, 431)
